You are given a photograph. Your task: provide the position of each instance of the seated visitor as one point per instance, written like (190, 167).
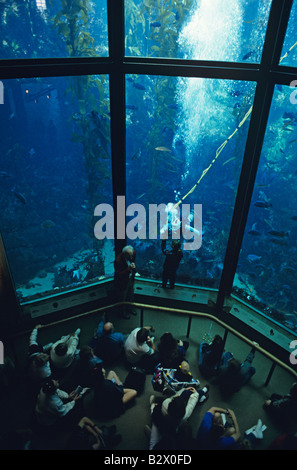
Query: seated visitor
(251, 436)
(54, 404)
(234, 375)
(108, 344)
(286, 441)
(210, 356)
(64, 351)
(140, 349)
(38, 357)
(171, 351)
(169, 415)
(39, 366)
(110, 397)
(216, 434)
(86, 435)
(283, 407)
(86, 367)
(183, 374)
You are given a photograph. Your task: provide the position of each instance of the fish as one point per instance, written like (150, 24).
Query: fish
(20, 197)
(139, 86)
(294, 217)
(32, 152)
(287, 123)
(248, 55)
(4, 174)
(290, 115)
(48, 224)
(276, 233)
(136, 155)
(34, 96)
(254, 232)
(252, 258)
(277, 241)
(230, 160)
(263, 204)
(289, 269)
(163, 149)
(156, 24)
(131, 106)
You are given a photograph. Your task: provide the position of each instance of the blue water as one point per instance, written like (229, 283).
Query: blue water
(183, 141)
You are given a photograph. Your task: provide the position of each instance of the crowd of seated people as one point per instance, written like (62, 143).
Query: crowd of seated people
(169, 428)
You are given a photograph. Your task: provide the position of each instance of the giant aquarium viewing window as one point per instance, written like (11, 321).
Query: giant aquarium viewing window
(289, 53)
(53, 28)
(177, 131)
(55, 168)
(197, 29)
(267, 267)
(164, 102)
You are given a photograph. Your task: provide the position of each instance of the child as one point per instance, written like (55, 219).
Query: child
(183, 374)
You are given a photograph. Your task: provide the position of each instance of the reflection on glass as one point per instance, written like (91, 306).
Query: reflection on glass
(55, 168)
(266, 272)
(53, 28)
(223, 30)
(176, 136)
(289, 51)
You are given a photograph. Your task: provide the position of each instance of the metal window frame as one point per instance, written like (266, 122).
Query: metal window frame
(266, 74)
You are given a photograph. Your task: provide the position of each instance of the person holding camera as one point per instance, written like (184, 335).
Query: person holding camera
(140, 348)
(124, 276)
(219, 430)
(53, 405)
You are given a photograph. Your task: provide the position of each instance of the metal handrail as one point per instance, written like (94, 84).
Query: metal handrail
(189, 313)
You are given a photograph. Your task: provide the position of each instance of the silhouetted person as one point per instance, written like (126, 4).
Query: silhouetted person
(124, 276)
(172, 260)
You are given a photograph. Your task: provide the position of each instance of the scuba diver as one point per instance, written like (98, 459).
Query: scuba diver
(172, 260)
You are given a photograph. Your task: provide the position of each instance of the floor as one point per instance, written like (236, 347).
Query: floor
(17, 402)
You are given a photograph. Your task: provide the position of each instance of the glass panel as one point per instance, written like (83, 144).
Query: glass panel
(266, 272)
(223, 30)
(53, 28)
(55, 169)
(289, 52)
(177, 132)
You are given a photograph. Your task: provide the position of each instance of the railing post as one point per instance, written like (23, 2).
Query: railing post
(189, 325)
(270, 374)
(225, 337)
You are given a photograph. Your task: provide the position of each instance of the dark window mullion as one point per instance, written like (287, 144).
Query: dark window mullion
(116, 33)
